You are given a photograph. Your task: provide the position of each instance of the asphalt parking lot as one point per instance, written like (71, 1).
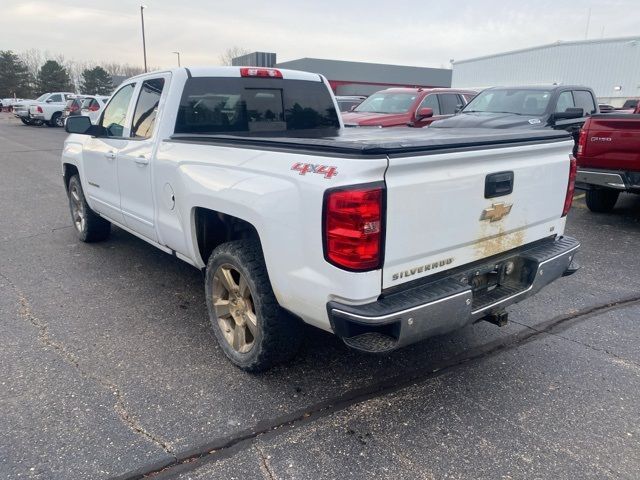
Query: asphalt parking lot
(109, 368)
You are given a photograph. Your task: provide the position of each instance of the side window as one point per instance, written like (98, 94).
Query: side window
(57, 98)
(144, 116)
(448, 103)
(431, 101)
(584, 100)
(114, 118)
(565, 100)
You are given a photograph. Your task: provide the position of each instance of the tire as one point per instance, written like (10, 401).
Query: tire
(25, 121)
(601, 200)
(56, 120)
(276, 335)
(90, 227)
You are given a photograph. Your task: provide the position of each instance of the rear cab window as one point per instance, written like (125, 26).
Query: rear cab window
(255, 106)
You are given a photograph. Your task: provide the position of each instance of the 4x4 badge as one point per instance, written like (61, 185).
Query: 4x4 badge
(496, 212)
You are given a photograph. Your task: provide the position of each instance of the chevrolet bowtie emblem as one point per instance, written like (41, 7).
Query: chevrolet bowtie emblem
(496, 212)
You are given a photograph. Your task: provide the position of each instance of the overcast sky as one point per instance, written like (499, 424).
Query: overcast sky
(421, 33)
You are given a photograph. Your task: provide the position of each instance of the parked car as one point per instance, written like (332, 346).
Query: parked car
(560, 107)
(347, 103)
(247, 174)
(609, 158)
(72, 107)
(49, 111)
(9, 102)
(21, 110)
(92, 106)
(630, 105)
(415, 107)
(606, 108)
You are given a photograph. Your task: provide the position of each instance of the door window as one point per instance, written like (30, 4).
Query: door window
(144, 116)
(584, 100)
(565, 100)
(57, 98)
(431, 101)
(114, 118)
(448, 103)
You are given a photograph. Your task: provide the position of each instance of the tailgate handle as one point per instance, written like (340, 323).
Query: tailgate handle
(498, 184)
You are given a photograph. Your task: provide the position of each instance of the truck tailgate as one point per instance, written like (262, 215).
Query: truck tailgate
(438, 216)
(612, 142)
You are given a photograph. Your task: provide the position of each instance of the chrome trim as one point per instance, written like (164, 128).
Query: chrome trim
(603, 179)
(399, 312)
(515, 295)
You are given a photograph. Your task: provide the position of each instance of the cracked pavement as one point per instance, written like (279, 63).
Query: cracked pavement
(110, 371)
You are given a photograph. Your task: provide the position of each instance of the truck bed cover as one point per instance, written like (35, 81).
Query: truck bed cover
(368, 142)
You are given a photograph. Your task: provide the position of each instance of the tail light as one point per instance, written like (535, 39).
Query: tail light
(582, 143)
(354, 227)
(260, 72)
(571, 186)
(74, 107)
(94, 107)
(39, 110)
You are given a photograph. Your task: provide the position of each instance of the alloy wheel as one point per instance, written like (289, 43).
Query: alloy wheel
(234, 308)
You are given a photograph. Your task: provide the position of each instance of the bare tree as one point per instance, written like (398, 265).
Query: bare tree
(231, 53)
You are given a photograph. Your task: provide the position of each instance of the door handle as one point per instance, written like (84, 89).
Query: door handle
(498, 184)
(110, 155)
(142, 160)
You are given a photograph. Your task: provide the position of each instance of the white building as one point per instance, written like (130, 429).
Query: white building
(611, 67)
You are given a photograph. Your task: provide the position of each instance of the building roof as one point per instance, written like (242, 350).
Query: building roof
(559, 43)
(375, 73)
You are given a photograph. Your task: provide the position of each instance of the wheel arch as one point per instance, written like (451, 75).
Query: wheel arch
(212, 228)
(68, 171)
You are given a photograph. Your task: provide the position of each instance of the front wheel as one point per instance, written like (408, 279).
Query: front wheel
(254, 332)
(90, 227)
(601, 200)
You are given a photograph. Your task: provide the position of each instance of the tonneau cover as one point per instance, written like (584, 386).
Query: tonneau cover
(378, 141)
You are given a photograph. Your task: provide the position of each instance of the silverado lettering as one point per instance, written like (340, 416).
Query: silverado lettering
(422, 268)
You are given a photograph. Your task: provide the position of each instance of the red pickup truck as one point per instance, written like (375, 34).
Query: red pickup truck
(414, 107)
(609, 158)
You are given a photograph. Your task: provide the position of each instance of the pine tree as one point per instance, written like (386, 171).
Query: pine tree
(97, 81)
(53, 77)
(14, 76)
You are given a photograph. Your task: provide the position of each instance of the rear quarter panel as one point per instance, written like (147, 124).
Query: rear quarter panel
(284, 206)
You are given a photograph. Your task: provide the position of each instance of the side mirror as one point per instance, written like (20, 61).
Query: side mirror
(569, 113)
(49, 100)
(458, 108)
(352, 108)
(78, 124)
(424, 113)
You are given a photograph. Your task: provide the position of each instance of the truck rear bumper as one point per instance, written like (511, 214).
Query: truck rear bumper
(618, 180)
(405, 316)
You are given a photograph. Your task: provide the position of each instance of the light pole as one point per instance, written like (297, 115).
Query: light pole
(144, 45)
(178, 54)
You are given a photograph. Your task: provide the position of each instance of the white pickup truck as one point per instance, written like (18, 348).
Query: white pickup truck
(383, 237)
(48, 109)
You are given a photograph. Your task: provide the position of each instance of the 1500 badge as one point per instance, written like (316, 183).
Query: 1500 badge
(304, 168)
(422, 268)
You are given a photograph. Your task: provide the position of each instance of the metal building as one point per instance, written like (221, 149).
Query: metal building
(610, 66)
(255, 59)
(360, 78)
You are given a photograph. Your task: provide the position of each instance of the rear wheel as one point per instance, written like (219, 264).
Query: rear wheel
(90, 227)
(26, 121)
(601, 200)
(56, 120)
(254, 332)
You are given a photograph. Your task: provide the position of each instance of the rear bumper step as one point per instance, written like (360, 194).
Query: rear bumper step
(418, 312)
(618, 180)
